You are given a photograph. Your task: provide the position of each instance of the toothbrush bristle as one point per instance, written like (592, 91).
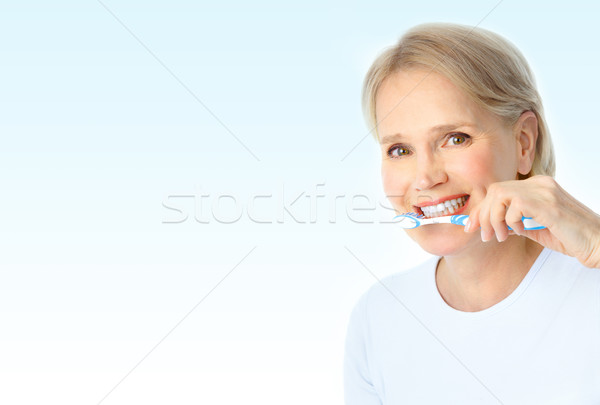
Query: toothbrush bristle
(414, 214)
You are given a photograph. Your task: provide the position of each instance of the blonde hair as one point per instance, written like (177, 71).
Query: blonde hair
(486, 66)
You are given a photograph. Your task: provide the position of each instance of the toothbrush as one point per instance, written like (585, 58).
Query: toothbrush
(412, 220)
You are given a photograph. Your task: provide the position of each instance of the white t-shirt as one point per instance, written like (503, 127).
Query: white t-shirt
(540, 345)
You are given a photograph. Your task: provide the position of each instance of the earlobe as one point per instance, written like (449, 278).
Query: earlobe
(527, 127)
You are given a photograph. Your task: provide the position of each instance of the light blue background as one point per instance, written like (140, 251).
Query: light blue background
(97, 135)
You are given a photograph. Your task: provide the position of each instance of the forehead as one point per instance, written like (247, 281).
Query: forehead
(414, 101)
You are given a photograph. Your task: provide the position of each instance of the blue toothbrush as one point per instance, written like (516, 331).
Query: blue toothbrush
(412, 220)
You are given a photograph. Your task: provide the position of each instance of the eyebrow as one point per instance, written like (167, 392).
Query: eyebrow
(438, 128)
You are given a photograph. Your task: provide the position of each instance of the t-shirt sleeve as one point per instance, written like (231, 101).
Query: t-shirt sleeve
(358, 386)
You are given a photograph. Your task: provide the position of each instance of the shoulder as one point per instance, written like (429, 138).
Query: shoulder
(560, 264)
(559, 272)
(396, 289)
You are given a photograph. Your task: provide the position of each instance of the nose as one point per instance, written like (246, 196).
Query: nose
(429, 172)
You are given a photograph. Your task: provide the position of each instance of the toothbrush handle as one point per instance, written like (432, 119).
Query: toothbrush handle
(528, 223)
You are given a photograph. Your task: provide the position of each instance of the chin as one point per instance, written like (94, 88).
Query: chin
(441, 239)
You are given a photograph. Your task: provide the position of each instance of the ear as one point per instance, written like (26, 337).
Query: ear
(526, 132)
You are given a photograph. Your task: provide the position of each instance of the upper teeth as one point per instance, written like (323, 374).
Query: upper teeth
(444, 208)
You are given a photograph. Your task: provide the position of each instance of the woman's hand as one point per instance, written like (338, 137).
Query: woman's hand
(571, 227)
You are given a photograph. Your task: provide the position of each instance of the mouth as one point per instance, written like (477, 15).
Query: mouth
(451, 205)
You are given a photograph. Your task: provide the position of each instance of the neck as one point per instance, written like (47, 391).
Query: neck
(485, 274)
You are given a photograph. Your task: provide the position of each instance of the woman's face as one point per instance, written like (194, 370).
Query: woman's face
(437, 145)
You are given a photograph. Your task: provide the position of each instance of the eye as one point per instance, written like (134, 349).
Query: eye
(458, 138)
(397, 151)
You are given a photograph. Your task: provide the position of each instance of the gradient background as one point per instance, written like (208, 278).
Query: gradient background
(99, 138)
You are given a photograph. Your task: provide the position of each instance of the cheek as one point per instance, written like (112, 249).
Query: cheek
(395, 185)
(477, 167)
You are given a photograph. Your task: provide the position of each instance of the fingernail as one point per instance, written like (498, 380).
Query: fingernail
(483, 237)
(467, 225)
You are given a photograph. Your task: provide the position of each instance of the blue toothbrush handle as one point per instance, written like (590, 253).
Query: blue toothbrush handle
(459, 219)
(528, 223)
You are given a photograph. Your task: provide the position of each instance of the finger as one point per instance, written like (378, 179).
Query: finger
(475, 199)
(497, 216)
(473, 221)
(487, 230)
(514, 219)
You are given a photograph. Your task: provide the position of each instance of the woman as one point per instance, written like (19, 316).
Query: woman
(496, 316)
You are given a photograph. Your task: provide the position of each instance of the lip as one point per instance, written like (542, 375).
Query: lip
(441, 200)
